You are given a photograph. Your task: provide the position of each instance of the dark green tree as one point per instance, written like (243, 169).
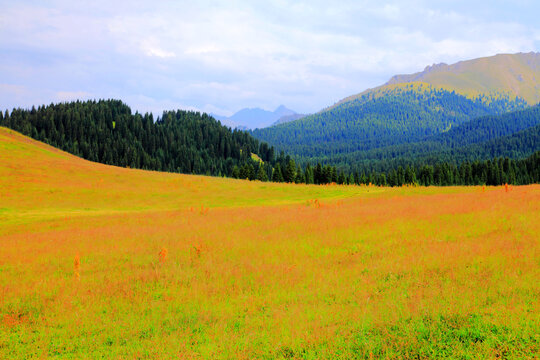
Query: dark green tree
(277, 176)
(261, 174)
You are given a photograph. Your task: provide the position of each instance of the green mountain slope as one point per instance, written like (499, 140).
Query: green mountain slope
(394, 115)
(514, 135)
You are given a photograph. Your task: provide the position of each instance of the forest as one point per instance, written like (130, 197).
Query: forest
(189, 142)
(515, 135)
(106, 131)
(380, 119)
(498, 171)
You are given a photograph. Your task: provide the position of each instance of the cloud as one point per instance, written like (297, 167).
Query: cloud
(222, 56)
(145, 104)
(155, 51)
(18, 96)
(72, 95)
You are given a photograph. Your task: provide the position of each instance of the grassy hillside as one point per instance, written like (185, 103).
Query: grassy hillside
(70, 186)
(104, 262)
(515, 74)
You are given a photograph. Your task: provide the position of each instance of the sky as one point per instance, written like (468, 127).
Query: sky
(222, 56)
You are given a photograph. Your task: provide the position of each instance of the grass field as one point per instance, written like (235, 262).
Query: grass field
(104, 262)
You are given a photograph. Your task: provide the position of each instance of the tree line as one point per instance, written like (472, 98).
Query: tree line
(489, 172)
(106, 131)
(452, 147)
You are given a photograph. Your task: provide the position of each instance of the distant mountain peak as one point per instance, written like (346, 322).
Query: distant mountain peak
(253, 118)
(436, 67)
(282, 111)
(288, 118)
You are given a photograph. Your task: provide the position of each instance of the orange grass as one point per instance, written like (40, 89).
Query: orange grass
(261, 270)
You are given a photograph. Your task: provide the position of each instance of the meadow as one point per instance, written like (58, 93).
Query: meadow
(98, 261)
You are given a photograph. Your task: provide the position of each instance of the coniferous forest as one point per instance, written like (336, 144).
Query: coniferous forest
(514, 135)
(381, 118)
(107, 132)
(194, 143)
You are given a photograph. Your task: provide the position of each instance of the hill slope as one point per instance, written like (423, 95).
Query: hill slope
(388, 116)
(105, 262)
(410, 108)
(32, 172)
(516, 74)
(514, 135)
(107, 132)
(288, 118)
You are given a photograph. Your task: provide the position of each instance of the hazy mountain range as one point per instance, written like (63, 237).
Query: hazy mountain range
(254, 118)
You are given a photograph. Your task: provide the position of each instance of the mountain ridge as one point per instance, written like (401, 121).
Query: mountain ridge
(288, 118)
(515, 74)
(520, 67)
(253, 118)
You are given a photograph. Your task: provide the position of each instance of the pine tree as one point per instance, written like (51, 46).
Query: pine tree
(289, 173)
(410, 176)
(300, 177)
(382, 181)
(251, 172)
(277, 176)
(318, 174)
(309, 176)
(261, 174)
(236, 172)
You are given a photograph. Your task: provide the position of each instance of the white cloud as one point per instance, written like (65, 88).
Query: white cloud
(145, 104)
(72, 95)
(155, 51)
(222, 56)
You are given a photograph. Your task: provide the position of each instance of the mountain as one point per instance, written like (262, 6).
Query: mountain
(514, 135)
(410, 108)
(183, 141)
(386, 116)
(288, 118)
(255, 117)
(515, 74)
